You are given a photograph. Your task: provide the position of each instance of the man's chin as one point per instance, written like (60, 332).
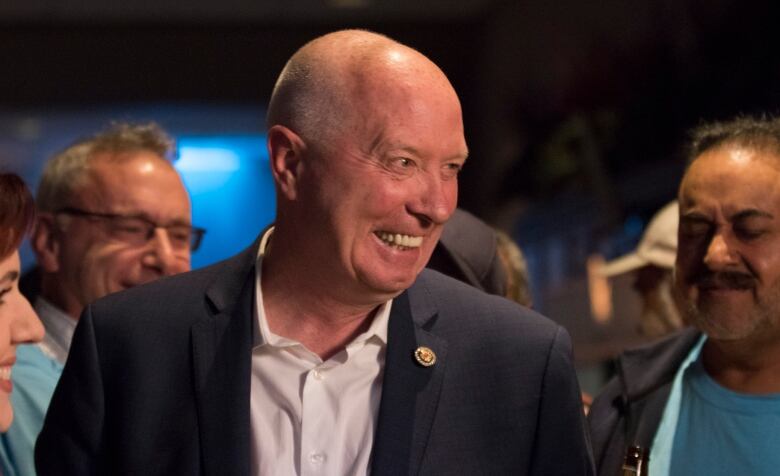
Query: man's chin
(723, 326)
(120, 287)
(388, 286)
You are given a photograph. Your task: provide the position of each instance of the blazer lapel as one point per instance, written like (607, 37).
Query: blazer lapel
(410, 391)
(221, 352)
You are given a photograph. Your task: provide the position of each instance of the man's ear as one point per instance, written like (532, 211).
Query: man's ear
(45, 243)
(285, 150)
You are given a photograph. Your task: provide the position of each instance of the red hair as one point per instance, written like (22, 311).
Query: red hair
(17, 211)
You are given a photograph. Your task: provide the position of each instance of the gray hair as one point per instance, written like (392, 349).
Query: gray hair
(758, 133)
(68, 169)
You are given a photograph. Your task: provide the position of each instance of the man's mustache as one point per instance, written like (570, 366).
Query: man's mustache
(724, 280)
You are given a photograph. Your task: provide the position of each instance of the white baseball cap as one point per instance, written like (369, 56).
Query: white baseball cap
(658, 246)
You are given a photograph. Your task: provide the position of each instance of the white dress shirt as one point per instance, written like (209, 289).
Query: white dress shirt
(59, 330)
(311, 417)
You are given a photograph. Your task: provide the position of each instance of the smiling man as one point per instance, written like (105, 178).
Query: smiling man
(113, 214)
(325, 348)
(707, 401)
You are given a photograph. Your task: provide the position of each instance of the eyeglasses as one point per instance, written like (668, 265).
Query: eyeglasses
(138, 230)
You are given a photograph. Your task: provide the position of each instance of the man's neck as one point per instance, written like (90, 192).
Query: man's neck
(61, 300)
(744, 366)
(309, 313)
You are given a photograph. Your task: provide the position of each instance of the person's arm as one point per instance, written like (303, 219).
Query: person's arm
(70, 441)
(562, 444)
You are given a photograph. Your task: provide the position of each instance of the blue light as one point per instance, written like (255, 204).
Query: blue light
(232, 191)
(208, 168)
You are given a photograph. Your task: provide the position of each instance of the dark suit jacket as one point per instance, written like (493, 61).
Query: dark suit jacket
(158, 382)
(629, 409)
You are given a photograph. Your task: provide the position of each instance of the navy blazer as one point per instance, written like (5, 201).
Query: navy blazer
(158, 382)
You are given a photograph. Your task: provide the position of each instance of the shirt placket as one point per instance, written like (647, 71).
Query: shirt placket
(317, 424)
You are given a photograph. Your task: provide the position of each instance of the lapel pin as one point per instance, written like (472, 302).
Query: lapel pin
(424, 356)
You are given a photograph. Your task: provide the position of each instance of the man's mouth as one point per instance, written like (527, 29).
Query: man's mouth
(725, 281)
(399, 241)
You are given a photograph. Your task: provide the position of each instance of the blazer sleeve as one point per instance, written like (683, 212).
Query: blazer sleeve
(70, 441)
(562, 444)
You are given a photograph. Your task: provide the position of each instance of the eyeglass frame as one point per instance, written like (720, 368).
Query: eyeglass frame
(196, 233)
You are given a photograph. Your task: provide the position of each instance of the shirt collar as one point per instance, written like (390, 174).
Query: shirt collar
(263, 334)
(59, 329)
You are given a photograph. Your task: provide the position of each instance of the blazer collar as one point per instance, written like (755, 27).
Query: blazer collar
(224, 289)
(222, 349)
(645, 369)
(221, 353)
(410, 391)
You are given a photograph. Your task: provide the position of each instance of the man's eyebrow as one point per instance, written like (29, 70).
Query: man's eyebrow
(694, 216)
(415, 152)
(146, 217)
(10, 277)
(752, 213)
(178, 222)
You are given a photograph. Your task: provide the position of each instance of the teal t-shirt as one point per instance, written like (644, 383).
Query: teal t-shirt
(34, 377)
(721, 432)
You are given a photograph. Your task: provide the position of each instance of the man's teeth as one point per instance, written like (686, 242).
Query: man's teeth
(406, 241)
(5, 372)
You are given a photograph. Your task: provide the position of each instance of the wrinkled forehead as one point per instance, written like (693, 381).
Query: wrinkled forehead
(142, 180)
(731, 179)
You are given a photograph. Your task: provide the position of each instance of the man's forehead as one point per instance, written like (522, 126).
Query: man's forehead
(734, 188)
(134, 183)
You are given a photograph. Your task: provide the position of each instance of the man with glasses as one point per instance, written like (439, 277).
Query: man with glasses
(113, 214)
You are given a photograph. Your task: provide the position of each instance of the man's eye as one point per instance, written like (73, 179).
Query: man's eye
(451, 170)
(179, 236)
(694, 228)
(131, 227)
(401, 165)
(748, 233)
(3, 293)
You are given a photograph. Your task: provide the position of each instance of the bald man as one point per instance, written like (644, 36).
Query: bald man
(325, 348)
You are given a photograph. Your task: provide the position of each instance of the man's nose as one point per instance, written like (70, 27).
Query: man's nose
(435, 199)
(163, 256)
(720, 253)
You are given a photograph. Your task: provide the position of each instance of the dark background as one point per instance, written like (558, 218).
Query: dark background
(619, 80)
(575, 111)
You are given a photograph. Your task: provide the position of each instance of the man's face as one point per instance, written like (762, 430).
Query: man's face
(377, 195)
(728, 264)
(94, 257)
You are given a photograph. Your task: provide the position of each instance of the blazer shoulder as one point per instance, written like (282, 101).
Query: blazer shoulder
(457, 305)
(179, 295)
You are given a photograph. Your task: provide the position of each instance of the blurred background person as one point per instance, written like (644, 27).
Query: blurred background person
(518, 286)
(18, 322)
(467, 251)
(471, 251)
(652, 263)
(113, 214)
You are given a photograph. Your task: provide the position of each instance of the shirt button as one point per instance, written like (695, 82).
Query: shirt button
(317, 458)
(318, 374)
